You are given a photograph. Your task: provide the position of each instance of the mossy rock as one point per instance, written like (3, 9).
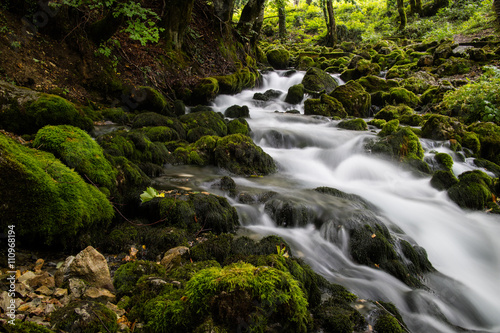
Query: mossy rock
(402, 71)
(400, 95)
(443, 180)
(116, 115)
(26, 115)
(354, 124)
(161, 134)
(238, 126)
(318, 80)
(61, 205)
(412, 120)
(289, 212)
(444, 160)
(84, 317)
(439, 127)
(207, 119)
(400, 143)
(373, 83)
(489, 137)
(353, 97)
(391, 112)
(304, 63)
(454, 66)
(473, 190)
(214, 247)
(295, 94)
(239, 292)
(127, 275)
(237, 111)
(236, 82)
(238, 154)
(150, 99)
(361, 68)
(387, 324)
(267, 95)
(24, 327)
(205, 91)
(419, 82)
(151, 119)
(278, 58)
(79, 151)
(326, 106)
(488, 165)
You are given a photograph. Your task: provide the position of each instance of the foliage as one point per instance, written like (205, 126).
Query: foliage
(150, 194)
(476, 101)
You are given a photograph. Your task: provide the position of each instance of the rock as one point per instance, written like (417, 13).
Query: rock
(474, 191)
(425, 61)
(439, 127)
(150, 99)
(99, 294)
(353, 97)
(6, 302)
(91, 266)
(354, 124)
(318, 80)
(23, 289)
(237, 111)
(84, 316)
(391, 112)
(172, 257)
(45, 290)
(76, 287)
(127, 275)
(278, 58)
(326, 106)
(205, 91)
(38, 265)
(443, 180)
(60, 292)
(26, 277)
(43, 279)
(268, 95)
(295, 94)
(213, 122)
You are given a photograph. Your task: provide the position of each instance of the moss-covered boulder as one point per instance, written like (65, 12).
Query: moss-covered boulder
(391, 112)
(267, 95)
(438, 127)
(399, 95)
(25, 111)
(238, 154)
(489, 137)
(353, 97)
(387, 324)
(84, 317)
(238, 126)
(48, 202)
(443, 179)
(373, 83)
(152, 119)
(278, 58)
(454, 66)
(78, 151)
(18, 326)
(295, 94)
(205, 91)
(474, 191)
(361, 68)
(389, 128)
(326, 106)
(236, 82)
(149, 99)
(259, 297)
(354, 124)
(318, 80)
(237, 111)
(127, 275)
(444, 161)
(402, 71)
(206, 119)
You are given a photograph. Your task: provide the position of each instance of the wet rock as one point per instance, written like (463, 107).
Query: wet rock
(278, 58)
(45, 290)
(354, 124)
(23, 289)
(268, 95)
(326, 106)
(38, 265)
(60, 292)
(26, 277)
(353, 97)
(318, 80)
(295, 94)
(172, 257)
(237, 111)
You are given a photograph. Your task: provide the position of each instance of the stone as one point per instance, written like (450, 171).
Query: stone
(88, 265)
(60, 292)
(76, 287)
(173, 257)
(119, 312)
(26, 276)
(23, 289)
(99, 294)
(43, 279)
(38, 265)
(44, 290)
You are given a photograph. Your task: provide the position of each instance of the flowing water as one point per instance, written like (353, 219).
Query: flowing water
(311, 151)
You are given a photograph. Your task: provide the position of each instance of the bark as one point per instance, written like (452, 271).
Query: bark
(418, 7)
(331, 39)
(257, 26)
(249, 16)
(175, 22)
(224, 10)
(413, 7)
(282, 23)
(402, 15)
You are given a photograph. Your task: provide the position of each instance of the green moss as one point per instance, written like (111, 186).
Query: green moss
(278, 58)
(489, 137)
(206, 119)
(116, 115)
(150, 99)
(260, 296)
(374, 83)
(444, 160)
(304, 63)
(161, 134)
(353, 97)
(238, 126)
(127, 275)
(239, 154)
(237, 111)
(326, 106)
(235, 83)
(215, 247)
(411, 119)
(387, 324)
(84, 317)
(379, 123)
(471, 141)
(354, 124)
(400, 95)
(389, 128)
(443, 179)
(60, 206)
(391, 112)
(205, 91)
(401, 71)
(473, 191)
(318, 80)
(151, 119)
(440, 127)
(51, 110)
(77, 150)
(454, 66)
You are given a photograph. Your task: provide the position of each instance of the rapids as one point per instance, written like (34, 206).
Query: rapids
(311, 151)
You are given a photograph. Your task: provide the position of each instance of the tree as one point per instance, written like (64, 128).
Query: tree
(175, 22)
(402, 14)
(331, 27)
(224, 10)
(251, 18)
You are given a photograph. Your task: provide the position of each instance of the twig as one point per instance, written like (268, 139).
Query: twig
(100, 320)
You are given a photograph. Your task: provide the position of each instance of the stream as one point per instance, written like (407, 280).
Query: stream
(311, 152)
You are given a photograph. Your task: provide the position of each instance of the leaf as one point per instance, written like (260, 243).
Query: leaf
(148, 195)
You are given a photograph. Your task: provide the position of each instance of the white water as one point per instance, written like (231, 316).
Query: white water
(311, 151)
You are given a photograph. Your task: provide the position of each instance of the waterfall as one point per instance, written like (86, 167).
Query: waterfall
(312, 152)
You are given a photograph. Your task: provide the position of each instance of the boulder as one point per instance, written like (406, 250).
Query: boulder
(237, 111)
(172, 257)
(353, 97)
(84, 316)
(295, 94)
(278, 58)
(318, 80)
(268, 95)
(326, 106)
(353, 124)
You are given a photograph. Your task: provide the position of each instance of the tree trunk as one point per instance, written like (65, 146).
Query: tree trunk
(331, 39)
(257, 26)
(418, 7)
(224, 10)
(249, 16)
(175, 22)
(402, 15)
(282, 23)
(413, 7)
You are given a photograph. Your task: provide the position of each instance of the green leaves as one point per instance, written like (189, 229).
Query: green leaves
(150, 194)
